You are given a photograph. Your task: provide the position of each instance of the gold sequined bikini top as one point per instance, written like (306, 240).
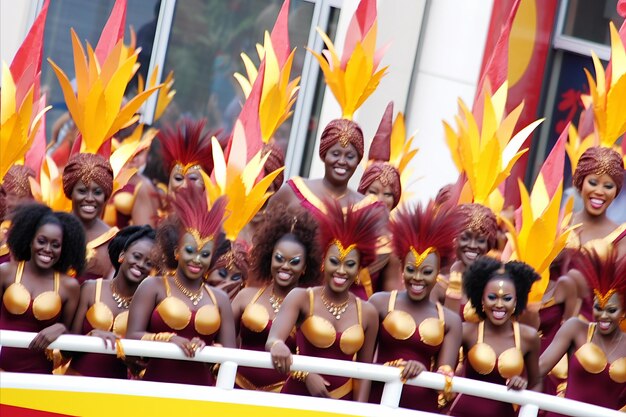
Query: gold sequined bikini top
(401, 326)
(175, 313)
(322, 334)
(16, 298)
(255, 316)
(100, 316)
(483, 358)
(593, 359)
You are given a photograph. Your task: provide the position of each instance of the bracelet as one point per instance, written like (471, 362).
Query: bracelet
(445, 370)
(299, 375)
(398, 363)
(159, 337)
(447, 386)
(119, 350)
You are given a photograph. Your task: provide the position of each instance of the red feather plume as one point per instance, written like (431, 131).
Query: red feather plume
(190, 204)
(187, 143)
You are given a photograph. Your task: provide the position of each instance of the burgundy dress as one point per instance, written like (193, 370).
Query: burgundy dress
(100, 317)
(551, 317)
(204, 323)
(591, 379)
(400, 338)
(254, 329)
(510, 363)
(315, 338)
(18, 313)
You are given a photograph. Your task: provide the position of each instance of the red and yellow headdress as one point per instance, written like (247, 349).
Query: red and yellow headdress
(424, 230)
(187, 145)
(357, 228)
(353, 76)
(202, 222)
(389, 155)
(605, 274)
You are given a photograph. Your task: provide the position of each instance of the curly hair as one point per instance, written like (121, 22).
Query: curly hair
(485, 269)
(126, 237)
(29, 218)
(295, 224)
(167, 237)
(341, 131)
(599, 160)
(481, 220)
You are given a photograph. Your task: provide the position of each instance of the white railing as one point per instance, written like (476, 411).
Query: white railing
(230, 359)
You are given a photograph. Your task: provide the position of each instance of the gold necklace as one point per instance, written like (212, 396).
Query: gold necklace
(275, 301)
(195, 297)
(123, 301)
(335, 309)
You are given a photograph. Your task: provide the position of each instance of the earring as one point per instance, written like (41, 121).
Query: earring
(322, 267)
(176, 256)
(120, 259)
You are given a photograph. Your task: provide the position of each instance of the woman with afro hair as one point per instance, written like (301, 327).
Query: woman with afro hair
(498, 349)
(37, 294)
(285, 256)
(330, 321)
(103, 307)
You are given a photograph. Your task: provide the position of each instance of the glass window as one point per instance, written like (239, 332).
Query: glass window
(87, 18)
(204, 47)
(589, 20)
(310, 151)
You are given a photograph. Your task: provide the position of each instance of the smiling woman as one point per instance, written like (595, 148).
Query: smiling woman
(178, 307)
(88, 182)
(330, 321)
(498, 349)
(103, 307)
(37, 294)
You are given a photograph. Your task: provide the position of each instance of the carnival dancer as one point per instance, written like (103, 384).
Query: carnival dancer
(596, 350)
(330, 321)
(423, 237)
(103, 307)
(285, 256)
(498, 349)
(37, 294)
(477, 238)
(88, 183)
(178, 307)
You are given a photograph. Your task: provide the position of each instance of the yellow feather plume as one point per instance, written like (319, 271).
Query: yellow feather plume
(96, 107)
(542, 234)
(245, 195)
(353, 83)
(49, 189)
(487, 154)
(608, 96)
(575, 147)
(18, 123)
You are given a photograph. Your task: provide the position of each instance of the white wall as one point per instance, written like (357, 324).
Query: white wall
(449, 65)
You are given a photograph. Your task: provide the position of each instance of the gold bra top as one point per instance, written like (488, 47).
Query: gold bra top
(322, 334)
(401, 326)
(124, 201)
(573, 240)
(175, 313)
(483, 358)
(255, 316)
(16, 298)
(593, 359)
(100, 316)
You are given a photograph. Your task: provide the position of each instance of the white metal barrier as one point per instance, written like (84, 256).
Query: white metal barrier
(230, 359)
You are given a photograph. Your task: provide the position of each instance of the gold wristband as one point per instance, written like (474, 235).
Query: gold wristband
(164, 336)
(119, 350)
(148, 336)
(445, 370)
(299, 375)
